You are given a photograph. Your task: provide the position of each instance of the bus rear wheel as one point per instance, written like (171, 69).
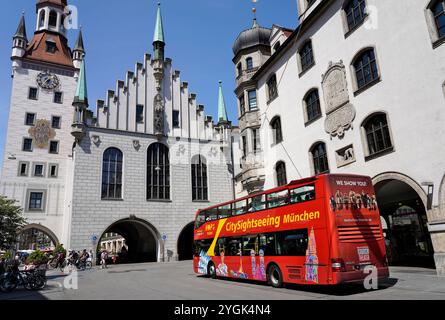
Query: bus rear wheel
(211, 270)
(275, 277)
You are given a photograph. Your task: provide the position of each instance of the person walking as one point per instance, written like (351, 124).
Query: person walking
(103, 259)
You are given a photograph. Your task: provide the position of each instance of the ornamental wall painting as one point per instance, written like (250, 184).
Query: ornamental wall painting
(42, 133)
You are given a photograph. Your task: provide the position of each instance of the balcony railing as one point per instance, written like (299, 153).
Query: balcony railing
(246, 75)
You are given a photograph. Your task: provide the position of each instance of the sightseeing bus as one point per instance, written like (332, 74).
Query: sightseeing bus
(322, 230)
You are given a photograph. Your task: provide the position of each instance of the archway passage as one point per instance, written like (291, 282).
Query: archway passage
(185, 243)
(129, 241)
(404, 223)
(36, 238)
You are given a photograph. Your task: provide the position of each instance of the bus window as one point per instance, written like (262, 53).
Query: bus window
(212, 214)
(220, 246)
(200, 219)
(250, 243)
(233, 247)
(202, 246)
(292, 243)
(256, 203)
(267, 244)
(302, 194)
(278, 199)
(239, 207)
(224, 211)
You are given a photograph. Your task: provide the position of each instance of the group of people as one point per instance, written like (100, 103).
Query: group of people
(353, 201)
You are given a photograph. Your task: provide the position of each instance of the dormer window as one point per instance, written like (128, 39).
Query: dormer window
(51, 46)
(53, 19)
(249, 63)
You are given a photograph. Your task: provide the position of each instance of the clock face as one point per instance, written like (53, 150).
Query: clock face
(48, 81)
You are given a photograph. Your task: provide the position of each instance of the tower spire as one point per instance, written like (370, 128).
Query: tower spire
(255, 23)
(78, 51)
(159, 27)
(21, 29)
(81, 97)
(222, 111)
(158, 38)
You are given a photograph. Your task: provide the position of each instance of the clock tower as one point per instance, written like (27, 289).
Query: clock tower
(37, 166)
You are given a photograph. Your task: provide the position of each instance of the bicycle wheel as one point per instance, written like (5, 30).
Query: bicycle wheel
(88, 265)
(8, 283)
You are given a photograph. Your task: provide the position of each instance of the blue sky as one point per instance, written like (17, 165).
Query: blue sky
(199, 36)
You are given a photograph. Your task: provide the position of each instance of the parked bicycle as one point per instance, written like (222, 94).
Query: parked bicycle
(33, 279)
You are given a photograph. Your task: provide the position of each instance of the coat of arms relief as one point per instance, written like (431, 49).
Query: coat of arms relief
(339, 112)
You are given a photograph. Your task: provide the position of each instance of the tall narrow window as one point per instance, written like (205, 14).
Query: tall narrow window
(158, 172)
(176, 123)
(242, 105)
(377, 134)
(256, 140)
(312, 102)
(199, 179)
(365, 66)
(42, 19)
(249, 63)
(244, 141)
(306, 56)
(32, 94)
(252, 100)
(27, 144)
(320, 158)
(140, 113)
(280, 169)
(112, 174)
(272, 87)
(355, 11)
(54, 147)
(53, 18)
(56, 122)
(439, 17)
(276, 130)
(58, 97)
(30, 119)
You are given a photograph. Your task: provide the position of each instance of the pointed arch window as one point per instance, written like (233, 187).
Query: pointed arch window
(112, 174)
(320, 158)
(378, 136)
(158, 172)
(280, 170)
(53, 19)
(199, 179)
(276, 130)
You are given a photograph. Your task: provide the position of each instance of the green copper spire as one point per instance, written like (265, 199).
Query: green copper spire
(222, 112)
(159, 29)
(82, 92)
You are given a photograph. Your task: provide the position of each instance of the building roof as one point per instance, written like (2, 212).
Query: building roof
(59, 3)
(252, 37)
(222, 111)
(81, 96)
(21, 29)
(159, 28)
(37, 49)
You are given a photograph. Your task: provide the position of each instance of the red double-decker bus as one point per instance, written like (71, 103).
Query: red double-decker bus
(320, 230)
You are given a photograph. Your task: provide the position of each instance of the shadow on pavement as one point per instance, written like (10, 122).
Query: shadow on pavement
(335, 290)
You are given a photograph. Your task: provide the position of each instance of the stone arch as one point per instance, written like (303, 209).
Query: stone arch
(52, 236)
(403, 178)
(141, 237)
(442, 193)
(184, 245)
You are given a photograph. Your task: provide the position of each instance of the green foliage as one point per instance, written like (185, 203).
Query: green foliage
(59, 249)
(37, 258)
(8, 255)
(11, 222)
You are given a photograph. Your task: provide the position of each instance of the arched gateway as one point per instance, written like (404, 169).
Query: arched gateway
(402, 204)
(139, 241)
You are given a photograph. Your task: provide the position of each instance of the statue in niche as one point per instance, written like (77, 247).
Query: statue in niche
(158, 115)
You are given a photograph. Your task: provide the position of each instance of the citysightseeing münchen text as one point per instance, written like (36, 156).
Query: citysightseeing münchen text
(244, 225)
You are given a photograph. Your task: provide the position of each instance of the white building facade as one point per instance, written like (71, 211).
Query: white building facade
(358, 88)
(140, 168)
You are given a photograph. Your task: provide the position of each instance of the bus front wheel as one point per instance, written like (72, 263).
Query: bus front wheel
(211, 270)
(275, 277)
